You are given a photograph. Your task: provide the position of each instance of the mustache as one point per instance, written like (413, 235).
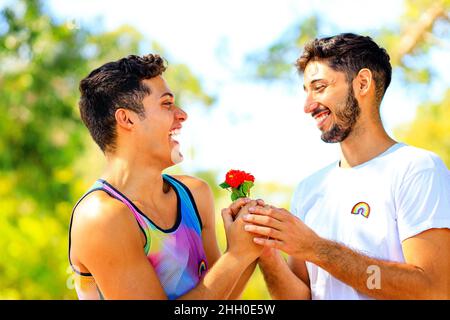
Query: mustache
(319, 110)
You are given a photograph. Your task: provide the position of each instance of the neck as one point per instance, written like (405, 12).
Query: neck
(134, 178)
(365, 142)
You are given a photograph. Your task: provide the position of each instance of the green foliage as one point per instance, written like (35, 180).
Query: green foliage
(42, 140)
(186, 87)
(277, 61)
(236, 195)
(431, 128)
(245, 188)
(224, 185)
(422, 27)
(41, 135)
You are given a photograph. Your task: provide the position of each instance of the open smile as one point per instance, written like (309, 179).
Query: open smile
(173, 133)
(321, 116)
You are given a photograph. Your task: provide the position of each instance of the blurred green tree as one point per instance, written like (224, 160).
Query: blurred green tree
(41, 63)
(422, 30)
(47, 158)
(277, 61)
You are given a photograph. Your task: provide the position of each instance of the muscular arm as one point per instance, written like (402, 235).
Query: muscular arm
(242, 282)
(284, 281)
(205, 205)
(424, 275)
(107, 241)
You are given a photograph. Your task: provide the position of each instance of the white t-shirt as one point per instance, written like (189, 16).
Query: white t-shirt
(373, 207)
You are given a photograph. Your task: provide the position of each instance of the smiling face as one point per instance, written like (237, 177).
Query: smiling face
(163, 121)
(330, 100)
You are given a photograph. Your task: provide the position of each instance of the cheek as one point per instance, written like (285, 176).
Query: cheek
(156, 126)
(154, 133)
(335, 102)
(326, 101)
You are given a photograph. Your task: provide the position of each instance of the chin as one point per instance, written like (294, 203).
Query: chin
(176, 155)
(176, 161)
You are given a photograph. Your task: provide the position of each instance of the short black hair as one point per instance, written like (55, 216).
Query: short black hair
(349, 53)
(114, 85)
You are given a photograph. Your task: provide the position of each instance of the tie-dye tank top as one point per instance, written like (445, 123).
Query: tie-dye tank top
(176, 254)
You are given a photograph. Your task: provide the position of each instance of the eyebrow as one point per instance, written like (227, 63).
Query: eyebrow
(312, 82)
(167, 94)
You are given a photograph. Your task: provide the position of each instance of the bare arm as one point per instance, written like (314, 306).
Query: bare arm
(220, 281)
(109, 244)
(236, 294)
(243, 280)
(205, 204)
(285, 282)
(424, 275)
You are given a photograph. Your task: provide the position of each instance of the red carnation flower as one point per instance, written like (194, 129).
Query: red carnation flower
(249, 177)
(240, 183)
(234, 178)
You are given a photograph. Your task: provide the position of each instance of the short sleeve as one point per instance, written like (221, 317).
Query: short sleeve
(296, 209)
(424, 202)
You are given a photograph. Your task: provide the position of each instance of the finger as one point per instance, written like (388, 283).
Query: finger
(263, 231)
(268, 211)
(244, 209)
(262, 220)
(270, 243)
(238, 204)
(227, 217)
(260, 202)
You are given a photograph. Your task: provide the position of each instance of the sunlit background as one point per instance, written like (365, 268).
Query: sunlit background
(231, 67)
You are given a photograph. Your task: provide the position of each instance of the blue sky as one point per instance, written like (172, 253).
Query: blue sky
(255, 127)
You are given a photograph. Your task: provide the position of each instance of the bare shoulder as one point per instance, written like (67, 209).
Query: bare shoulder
(199, 188)
(99, 210)
(202, 194)
(194, 184)
(101, 222)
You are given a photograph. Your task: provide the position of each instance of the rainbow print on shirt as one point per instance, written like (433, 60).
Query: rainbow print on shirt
(361, 208)
(202, 268)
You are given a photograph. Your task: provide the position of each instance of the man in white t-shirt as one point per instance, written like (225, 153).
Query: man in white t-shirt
(375, 224)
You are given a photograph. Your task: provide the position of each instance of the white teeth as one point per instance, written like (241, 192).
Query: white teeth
(174, 132)
(322, 117)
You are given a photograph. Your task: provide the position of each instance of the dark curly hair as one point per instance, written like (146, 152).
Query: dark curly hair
(349, 53)
(116, 85)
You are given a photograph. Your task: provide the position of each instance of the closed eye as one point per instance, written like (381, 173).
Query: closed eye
(168, 104)
(319, 88)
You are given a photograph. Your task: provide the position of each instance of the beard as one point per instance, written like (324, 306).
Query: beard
(346, 119)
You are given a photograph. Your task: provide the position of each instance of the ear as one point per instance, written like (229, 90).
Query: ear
(363, 82)
(124, 118)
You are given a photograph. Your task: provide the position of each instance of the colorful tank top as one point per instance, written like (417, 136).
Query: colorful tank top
(176, 254)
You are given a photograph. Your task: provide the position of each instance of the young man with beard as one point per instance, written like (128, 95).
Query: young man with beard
(138, 233)
(374, 224)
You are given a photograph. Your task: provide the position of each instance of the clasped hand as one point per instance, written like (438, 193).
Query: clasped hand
(240, 241)
(273, 227)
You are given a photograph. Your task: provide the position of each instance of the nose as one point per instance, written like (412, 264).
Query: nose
(181, 115)
(310, 104)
